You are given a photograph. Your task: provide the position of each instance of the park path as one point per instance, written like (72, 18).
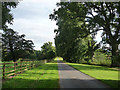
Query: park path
(72, 78)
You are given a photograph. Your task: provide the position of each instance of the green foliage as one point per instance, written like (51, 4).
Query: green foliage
(78, 20)
(69, 40)
(15, 46)
(101, 59)
(106, 20)
(47, 51)
(7, 16)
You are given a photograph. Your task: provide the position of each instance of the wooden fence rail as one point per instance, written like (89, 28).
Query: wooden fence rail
(14, 68)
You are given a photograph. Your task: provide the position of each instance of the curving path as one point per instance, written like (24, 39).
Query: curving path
(72, 78)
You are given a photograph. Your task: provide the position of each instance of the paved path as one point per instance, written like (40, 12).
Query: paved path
(72, 78)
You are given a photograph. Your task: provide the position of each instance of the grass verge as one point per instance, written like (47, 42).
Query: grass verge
(107, 75)
(45, 76)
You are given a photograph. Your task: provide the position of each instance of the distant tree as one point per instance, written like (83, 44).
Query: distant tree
(48, 51)
(38, 54)
(15, 46)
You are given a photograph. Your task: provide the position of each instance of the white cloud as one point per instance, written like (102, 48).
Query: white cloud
(31, 17)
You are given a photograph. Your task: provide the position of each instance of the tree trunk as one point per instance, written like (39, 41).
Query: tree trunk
(92, 60)
(114, 58)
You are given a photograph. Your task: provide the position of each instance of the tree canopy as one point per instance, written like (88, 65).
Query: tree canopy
(15, 46)
(7, 16)
(77, 21)
(48, 51)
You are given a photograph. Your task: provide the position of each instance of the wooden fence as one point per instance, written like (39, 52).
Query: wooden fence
(14, 68)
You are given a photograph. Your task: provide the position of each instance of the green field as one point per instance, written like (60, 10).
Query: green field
(44, 76)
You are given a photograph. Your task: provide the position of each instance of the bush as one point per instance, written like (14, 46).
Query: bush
(102, 59)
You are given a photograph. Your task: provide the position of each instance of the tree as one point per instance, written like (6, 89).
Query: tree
(92, 47)
(48, 51)
(15, 46)
(38, 54)
(106, 18)
(7, 16)
(68, 40)
(93, 17)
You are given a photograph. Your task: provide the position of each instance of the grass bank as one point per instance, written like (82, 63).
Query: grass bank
(105, 74)
(44, 76)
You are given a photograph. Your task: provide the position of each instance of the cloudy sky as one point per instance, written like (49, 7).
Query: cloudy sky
(31, 17)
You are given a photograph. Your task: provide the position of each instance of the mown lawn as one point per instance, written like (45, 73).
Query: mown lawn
(44, 76)
(105, 74)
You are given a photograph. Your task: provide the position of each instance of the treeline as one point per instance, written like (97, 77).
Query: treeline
(15, 46)
(78, 24)
(47, 52)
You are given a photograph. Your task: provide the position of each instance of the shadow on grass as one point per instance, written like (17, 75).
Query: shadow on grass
(88, 67)
(30, 83)
(80, 84)
(96, 69)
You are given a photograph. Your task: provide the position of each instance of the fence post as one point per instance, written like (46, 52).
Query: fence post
(29, 65)
(21, 66)
(3, 70)
(36, 63)
(33, 64)
(26, 65)
(14, 68)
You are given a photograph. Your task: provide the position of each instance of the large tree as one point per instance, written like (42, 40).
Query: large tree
(15, 46)
(106, 17)
(7, 16)
(68, 40)
(94, 17)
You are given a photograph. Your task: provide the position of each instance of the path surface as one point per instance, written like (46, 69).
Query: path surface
(72, 78)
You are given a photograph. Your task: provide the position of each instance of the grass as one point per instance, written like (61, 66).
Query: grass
(105, 74)
(44, 76)
(18, 67)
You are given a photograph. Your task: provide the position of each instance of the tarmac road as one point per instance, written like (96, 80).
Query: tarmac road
(72, 78)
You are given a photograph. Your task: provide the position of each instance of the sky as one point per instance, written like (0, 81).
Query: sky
(31, 17)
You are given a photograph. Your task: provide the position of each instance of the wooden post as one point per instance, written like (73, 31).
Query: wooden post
(36, 63)
(21, 66)
(26, 64)
(14, 68)
(29, 65)
(4, 71)
(33, 64)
